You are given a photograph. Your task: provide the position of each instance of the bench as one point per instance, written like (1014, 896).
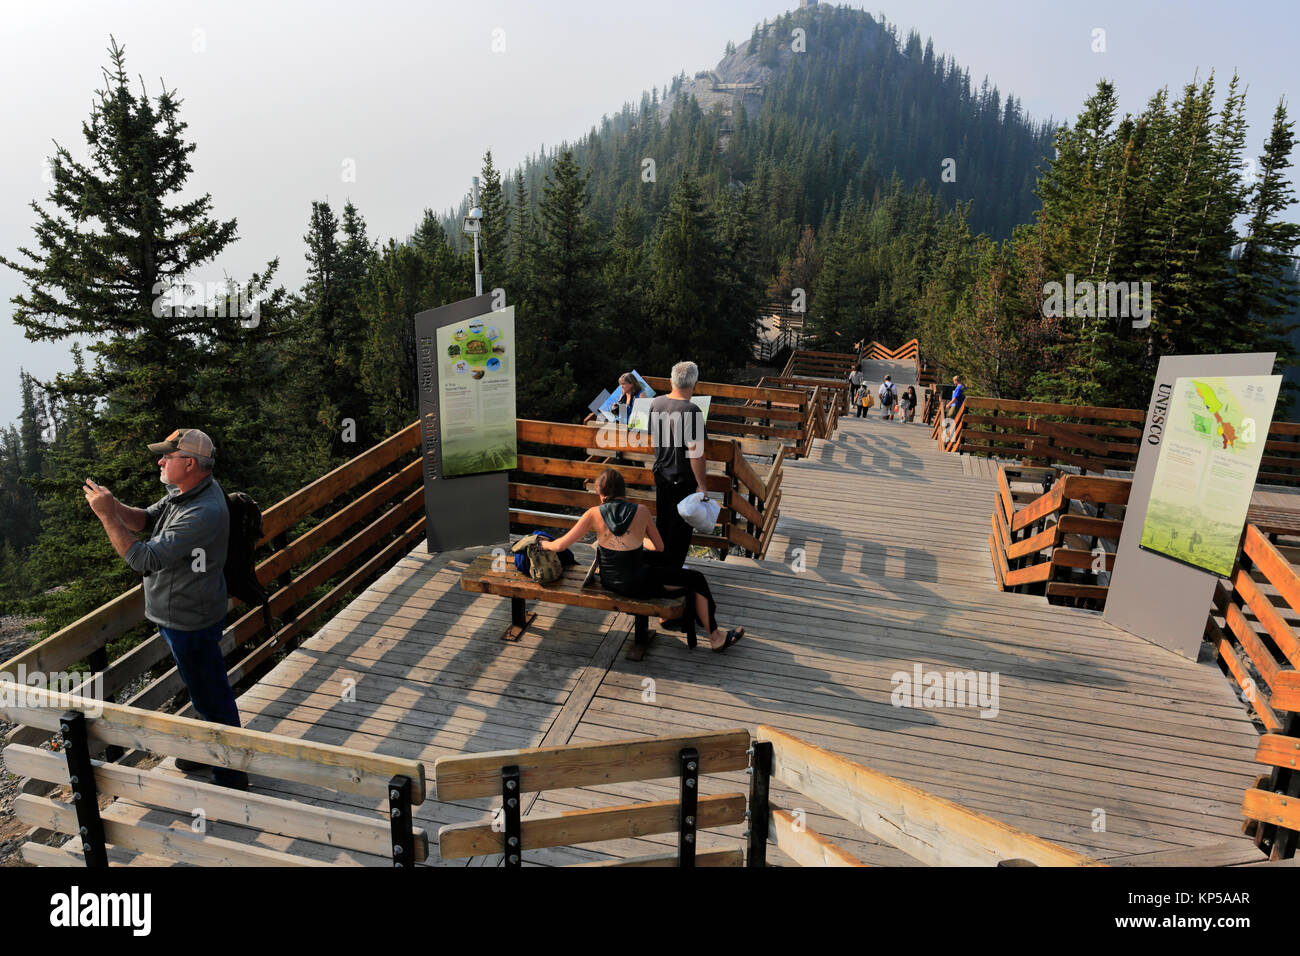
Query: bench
(578, 587)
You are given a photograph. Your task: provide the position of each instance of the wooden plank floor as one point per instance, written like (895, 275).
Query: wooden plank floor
(1100, 741)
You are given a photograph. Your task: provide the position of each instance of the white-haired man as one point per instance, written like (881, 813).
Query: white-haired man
(183, 564)
(677, 426)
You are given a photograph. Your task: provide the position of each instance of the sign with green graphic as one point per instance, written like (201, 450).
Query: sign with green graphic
(476, 402)
(1210, 449)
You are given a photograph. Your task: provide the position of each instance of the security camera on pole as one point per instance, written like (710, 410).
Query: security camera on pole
(473, 227)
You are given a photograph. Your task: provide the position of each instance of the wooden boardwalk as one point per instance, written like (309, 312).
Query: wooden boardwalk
(1100, 741)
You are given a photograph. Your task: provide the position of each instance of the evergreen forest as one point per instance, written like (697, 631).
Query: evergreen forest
(871, 176)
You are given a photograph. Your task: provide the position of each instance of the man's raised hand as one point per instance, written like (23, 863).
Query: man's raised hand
(100, 499)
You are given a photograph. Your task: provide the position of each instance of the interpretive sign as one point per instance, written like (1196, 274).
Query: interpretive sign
(477, 394)
(1214, 434)
(472, 509)
(1166, 602)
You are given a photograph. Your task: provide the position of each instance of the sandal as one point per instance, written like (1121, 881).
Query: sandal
(733, 636)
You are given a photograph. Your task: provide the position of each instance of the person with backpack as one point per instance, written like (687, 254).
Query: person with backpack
(888, 397)
(183, 564)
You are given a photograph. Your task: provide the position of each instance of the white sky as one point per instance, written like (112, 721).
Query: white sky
(278, 95)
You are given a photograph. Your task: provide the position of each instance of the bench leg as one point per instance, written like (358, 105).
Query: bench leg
(519, 620)
(641, 640)
(690, 628)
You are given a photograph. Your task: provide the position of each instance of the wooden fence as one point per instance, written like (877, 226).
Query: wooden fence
(1258, 649)
(368, 513)
(820, 365)
(158, 819)
(932, 830)
(558, 464)
(772, 414)
(909, 350)
(830, 400)
(1052, 543)
(1091, 438)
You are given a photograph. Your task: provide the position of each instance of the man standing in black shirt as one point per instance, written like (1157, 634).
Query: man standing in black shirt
(677, 428)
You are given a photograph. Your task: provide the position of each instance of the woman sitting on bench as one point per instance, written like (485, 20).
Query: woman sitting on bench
(628, 567)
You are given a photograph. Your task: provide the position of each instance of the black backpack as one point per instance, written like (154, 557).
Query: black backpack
(241, 567)
(888, 400)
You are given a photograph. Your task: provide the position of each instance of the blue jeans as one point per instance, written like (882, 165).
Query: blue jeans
(198, 658)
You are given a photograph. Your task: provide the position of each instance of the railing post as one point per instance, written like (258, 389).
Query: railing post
(512, 837)
(687, 820)
(760, 768)
(399, 820)
(85, 796)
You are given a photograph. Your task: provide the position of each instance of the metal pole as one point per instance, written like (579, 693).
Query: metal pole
(478, 272)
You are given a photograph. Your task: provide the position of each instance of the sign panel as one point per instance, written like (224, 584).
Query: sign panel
(1166, 602)
(1205, 474)
(477, 394)
(473, 509)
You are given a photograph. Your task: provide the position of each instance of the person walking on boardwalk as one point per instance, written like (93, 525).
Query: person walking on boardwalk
(183, 565)
(958, 395)
(677, 429)
(908, 403)
(888, 397)
(862, 400)
(622, 530)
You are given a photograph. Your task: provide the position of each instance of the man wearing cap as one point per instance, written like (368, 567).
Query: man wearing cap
(183, 564)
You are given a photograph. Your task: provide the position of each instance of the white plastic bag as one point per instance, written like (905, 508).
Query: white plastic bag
(699, 511)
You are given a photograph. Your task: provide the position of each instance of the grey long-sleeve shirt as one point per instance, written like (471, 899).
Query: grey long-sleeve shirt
(184, 561)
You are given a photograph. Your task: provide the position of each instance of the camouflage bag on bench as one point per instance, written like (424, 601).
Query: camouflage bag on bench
(544, 567)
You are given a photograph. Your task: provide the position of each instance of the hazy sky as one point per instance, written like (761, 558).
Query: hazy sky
(283, 98)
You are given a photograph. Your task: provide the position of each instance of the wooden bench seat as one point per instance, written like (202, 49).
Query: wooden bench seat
(575, 589)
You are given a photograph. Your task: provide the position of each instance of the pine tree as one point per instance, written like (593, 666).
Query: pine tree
(566, 293)
(108, 262)
(1265, 282)
(495, 238)
(116, 243)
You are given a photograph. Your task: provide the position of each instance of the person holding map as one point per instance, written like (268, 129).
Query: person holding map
(629, 391)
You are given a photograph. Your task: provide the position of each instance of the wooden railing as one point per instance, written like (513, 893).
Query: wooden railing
(944, 430)
(369, 512)
(766, 414)
(830, 399)
(1042, 433)
(820, 365)
(765, 349)
(1061, 542)
(1257, 644)
(1088, 437)
(152, 818)
(559, 462)
(930, 829)
(1258, 649)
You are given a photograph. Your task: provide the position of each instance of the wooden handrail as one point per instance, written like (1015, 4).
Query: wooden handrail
(928, 828)
(238, 748)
